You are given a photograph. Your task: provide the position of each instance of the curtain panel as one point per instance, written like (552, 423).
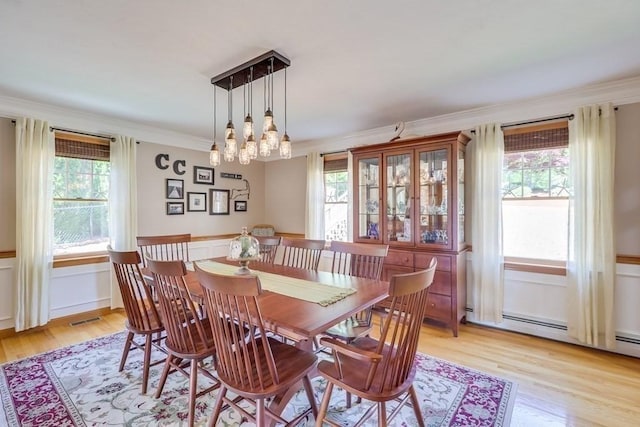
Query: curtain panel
(314, 223)
(123, 203)
(592, 258)
(35, 154)
(486, 224)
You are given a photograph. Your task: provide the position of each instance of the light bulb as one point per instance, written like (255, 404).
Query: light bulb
(268, 120)
(247, 128)
(214, 155)
(272, 136)
(285, 147)
(265, 150)
(252, 147)
(243, 156)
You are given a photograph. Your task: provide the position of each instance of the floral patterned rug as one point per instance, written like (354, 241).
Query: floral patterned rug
(80, 386)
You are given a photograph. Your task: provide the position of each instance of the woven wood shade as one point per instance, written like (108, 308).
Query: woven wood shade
(549, 136)
(68, 146)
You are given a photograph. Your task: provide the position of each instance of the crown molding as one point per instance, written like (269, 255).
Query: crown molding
(95, 123)
(620, 92)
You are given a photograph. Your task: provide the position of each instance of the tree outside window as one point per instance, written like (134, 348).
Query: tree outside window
(335, 205)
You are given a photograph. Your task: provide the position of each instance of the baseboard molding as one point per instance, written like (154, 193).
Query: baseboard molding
(62, 321)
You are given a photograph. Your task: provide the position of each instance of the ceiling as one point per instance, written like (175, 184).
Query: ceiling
(355, 65)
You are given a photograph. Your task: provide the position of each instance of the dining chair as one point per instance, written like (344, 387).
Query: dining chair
(167, 248)
(189, 338)
(383, 370)
(302, 253)
(360, 260)
(268, 248)
(257, 366)
(143, 318)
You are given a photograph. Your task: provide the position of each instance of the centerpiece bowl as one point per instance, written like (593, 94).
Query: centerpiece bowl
(244, 248)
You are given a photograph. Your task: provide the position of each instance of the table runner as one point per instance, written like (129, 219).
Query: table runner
(305, 290)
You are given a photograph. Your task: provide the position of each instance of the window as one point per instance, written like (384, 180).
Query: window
(336, 192)
(535, 191)
(80, 194)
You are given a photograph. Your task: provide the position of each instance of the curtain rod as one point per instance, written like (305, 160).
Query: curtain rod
(332, 152)
(530, 122)
(95, 135)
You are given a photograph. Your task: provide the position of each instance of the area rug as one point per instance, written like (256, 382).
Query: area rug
(80, 386)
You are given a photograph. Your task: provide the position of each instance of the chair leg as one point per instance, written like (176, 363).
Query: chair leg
(382, 414)
(147, 362)
(125, 352)
(309, 390)
(165, 372)
(193, 385)
(218, 406)
(324, 405)
(260, 415)
(348, 399)
(416, 406)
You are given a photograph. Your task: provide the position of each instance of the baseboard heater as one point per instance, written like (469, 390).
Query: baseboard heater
(557, 326)
(82, 322)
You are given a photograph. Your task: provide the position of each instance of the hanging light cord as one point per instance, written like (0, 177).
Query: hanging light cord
(285, 100)
(271, 86)
(230, 98)
(214, 114)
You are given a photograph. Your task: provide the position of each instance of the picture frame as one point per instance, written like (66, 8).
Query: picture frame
(175, 188)
(203, 175)
(240, 205)
(175, 208)
(218, 202)
(196, 202)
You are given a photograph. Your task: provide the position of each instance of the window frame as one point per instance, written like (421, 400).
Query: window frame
(534, 265)
(87, 257)
(335, 163)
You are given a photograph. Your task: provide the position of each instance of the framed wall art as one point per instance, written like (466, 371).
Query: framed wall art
(218, 202)
(196, 202)
(175, 188)
(240, 206)
(203, 175)
(175, 208)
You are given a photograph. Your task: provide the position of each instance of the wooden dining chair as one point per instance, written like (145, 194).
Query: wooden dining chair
(360, 260)
(268, 248)
(302, 253)
(167, 248)
(189, 338)
(383, 370)
(143, 318)
(254, 367)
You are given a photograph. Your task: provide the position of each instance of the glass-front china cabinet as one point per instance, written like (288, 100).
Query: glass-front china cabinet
(409, 194)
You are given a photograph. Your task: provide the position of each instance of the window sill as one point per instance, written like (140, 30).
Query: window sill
(535, 268)
(80, 259)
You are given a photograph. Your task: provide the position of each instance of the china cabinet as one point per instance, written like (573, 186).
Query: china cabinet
(409, 194)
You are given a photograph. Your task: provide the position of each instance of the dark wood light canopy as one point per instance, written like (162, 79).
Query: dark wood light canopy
(260, 66)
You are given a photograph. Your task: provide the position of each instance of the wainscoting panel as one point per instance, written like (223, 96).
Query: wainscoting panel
(80, 288)
(535, 304)
(7, 266)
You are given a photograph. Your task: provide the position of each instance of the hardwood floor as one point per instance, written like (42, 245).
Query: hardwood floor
(558, 384)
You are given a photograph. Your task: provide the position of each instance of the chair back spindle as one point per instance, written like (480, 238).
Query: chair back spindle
(268, 248)
(302, 253)
(166, 248)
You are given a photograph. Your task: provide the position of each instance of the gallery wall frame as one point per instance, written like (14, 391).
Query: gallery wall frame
(203, 175)
(240, 205)
(218, 202)
(175, 208)
(196, 202)
(175, 188)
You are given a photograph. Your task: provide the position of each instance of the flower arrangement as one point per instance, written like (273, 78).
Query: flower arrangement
(244, 247)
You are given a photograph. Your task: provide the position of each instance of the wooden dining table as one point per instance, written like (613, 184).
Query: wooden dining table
(297, 319)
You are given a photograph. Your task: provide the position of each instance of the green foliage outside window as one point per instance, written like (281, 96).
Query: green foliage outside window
(542, 173)
(80, 205)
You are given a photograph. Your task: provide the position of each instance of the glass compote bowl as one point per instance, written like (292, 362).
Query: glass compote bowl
(243, 249)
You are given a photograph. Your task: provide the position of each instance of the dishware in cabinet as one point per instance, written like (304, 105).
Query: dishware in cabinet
(368, 199)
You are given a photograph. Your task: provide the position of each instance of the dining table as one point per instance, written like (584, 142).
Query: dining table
(297, 319)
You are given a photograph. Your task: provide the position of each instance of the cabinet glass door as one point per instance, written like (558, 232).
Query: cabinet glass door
(369, 198)
(433, 224)
(398, 198)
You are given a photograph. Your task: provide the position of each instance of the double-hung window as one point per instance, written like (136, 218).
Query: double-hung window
(336, 191)
(80, 194)
(535, 194)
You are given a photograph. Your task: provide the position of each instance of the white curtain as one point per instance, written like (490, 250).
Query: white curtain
(592, 257)
(314, 224)
(486, 224)
(349, 196)
(35, 153)
(123, 206)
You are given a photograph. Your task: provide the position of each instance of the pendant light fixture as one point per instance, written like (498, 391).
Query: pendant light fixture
(285, 144)
(263, 66)
(214, 154)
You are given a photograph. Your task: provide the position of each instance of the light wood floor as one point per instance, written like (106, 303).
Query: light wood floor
(558, 384)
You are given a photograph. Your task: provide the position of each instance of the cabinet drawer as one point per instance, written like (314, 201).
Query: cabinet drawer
(423, 260)
(390, 270)
(439, 307)
(441, 283)
(404, 259)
